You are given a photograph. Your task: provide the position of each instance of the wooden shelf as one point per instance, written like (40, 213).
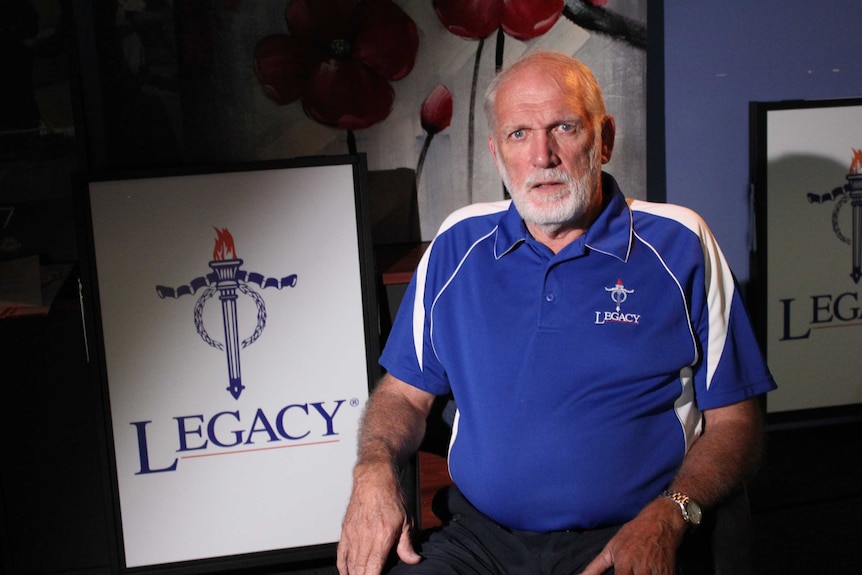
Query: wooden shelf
(397, 262)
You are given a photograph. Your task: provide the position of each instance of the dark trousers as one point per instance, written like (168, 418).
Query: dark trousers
(469, 543)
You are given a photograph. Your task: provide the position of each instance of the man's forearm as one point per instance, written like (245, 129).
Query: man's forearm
(376, 518)
(727, 454)
(393, 425)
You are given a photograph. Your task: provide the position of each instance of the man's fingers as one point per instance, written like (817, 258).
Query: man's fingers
(349, 562)
(363, 551)
(341, 560)
(603, 562)
(405, 548)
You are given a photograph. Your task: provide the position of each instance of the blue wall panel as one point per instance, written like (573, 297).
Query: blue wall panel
(719, 56)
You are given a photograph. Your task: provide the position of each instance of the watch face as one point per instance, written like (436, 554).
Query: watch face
(695, 515)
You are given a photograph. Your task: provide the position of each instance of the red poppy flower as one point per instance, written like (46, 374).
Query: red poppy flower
(436, 113)
(435, 116)
(339, 59)
(521, 19)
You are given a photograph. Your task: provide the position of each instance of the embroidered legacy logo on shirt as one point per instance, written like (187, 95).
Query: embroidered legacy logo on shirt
(619, 294)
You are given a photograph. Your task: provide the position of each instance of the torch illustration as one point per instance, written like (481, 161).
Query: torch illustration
(853, 187)
(228, 281)
(225, 264)
(619, 293)
(854, 181)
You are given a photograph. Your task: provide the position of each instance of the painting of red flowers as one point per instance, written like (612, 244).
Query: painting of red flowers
(339, 59)
(400, 81)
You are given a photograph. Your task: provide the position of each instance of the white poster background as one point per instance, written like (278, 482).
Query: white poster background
(809, 150)
(268, 492)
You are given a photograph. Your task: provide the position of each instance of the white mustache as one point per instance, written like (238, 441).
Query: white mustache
(545, 176)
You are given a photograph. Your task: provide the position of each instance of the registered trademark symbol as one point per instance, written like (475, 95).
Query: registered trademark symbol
(354, 402)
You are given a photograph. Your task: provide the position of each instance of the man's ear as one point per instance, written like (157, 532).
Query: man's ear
(492, 148)
(609, 132)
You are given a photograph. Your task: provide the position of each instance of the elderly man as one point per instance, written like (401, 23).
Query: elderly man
(604, 369)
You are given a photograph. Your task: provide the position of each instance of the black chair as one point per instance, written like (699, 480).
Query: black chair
(731, 536)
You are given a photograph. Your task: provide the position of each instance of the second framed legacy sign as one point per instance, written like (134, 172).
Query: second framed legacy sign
(807, 161)
(237, 325)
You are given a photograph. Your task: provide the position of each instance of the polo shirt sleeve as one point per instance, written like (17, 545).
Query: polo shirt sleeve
(733, 368)
(408, 354)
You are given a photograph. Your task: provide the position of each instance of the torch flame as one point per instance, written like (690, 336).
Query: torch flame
(856, 164)
(224, 248)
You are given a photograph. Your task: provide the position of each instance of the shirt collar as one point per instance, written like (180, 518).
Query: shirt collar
(511, 232)
(610, 234)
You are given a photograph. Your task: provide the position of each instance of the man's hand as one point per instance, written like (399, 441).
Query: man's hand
(722, 458)
(376, 519)
(646, 545)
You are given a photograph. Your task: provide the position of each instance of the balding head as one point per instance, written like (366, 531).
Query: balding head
(572, 75)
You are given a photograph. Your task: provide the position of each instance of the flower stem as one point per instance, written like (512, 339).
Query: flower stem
(472, 121)
(351, 142)
(498, 65)
(498, 55)
(422, 155)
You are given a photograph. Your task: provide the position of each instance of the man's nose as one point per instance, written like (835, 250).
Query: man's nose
(544, 151)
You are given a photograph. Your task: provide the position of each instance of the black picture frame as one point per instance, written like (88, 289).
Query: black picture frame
(804, 282)
(280, 211)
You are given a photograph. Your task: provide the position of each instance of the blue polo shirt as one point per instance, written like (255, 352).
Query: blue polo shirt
(580, 376)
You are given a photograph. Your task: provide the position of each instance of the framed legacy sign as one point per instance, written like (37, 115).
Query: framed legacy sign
(237, 327)
(807, 174)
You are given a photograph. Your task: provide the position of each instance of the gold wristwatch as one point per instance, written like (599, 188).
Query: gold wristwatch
(691, 511)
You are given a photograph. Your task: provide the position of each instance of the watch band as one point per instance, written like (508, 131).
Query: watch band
(691, 512)
(676, 496)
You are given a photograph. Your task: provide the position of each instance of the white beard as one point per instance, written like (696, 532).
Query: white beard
(570, 205)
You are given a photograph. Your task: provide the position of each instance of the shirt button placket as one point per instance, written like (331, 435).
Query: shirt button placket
(549, 308)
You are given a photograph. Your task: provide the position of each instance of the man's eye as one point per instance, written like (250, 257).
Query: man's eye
(517, 134)
(566, 127)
